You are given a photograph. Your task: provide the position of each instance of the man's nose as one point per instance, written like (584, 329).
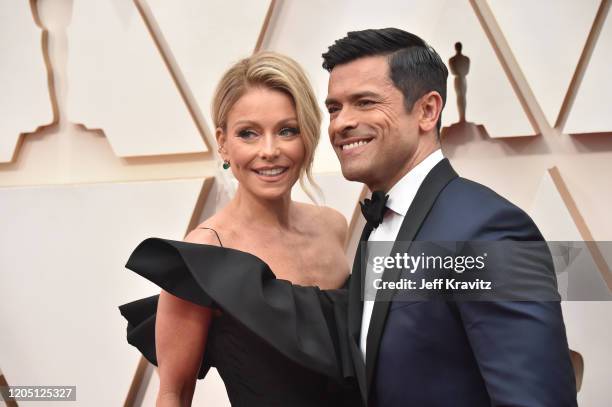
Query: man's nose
(269, 148)
(344, 121)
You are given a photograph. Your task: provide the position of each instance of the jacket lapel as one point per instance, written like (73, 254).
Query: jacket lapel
(428, 192)
(355, 309)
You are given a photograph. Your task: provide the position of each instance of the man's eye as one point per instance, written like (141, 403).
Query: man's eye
(246, 134)
(332, 109)
(365, 102)
(289, 131)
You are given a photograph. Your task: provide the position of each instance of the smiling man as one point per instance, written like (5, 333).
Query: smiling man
(387, 89)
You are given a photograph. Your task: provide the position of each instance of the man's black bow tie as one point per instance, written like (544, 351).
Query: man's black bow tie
(374, 209)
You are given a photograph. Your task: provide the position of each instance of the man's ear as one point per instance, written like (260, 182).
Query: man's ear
(221, 139)
(430, 107)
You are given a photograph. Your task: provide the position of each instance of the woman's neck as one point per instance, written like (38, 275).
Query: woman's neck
(253, 210)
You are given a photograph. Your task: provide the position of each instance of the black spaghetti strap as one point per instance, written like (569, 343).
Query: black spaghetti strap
(216, 234)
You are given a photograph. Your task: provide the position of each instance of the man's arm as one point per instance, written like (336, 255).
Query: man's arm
(520, 346)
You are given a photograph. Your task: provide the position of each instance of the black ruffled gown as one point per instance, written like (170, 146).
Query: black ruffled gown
(273, 344)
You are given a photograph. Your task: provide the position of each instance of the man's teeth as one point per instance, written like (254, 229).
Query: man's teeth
(355, 144)
(274, 171)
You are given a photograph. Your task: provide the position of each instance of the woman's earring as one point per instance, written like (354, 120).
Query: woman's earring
(226, 164)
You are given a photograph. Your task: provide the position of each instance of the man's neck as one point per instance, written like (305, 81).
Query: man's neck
(416, 159)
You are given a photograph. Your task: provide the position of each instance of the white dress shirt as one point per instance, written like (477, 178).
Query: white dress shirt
(401, 196)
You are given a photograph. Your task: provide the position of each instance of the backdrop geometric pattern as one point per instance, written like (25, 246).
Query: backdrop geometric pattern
(24, 104)
(119, 83)
(587, 115)
(233, 24)
(543, 33)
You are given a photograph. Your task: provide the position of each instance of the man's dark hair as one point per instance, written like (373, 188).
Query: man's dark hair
(415, 68)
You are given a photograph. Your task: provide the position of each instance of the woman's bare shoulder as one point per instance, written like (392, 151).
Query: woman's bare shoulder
(207, 232)
(326, 219)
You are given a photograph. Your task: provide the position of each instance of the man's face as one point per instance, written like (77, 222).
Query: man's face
(372, 134)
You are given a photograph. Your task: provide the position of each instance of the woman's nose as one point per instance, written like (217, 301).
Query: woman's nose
(270, 148)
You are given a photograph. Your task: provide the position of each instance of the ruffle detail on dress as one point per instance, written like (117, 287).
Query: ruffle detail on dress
(306, 324)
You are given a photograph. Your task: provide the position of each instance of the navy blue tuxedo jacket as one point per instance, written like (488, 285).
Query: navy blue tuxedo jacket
(462, 353)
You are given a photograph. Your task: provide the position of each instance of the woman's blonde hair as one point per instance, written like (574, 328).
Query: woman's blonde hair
(274, 71)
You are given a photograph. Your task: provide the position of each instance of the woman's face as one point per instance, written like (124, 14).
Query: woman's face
(263, 143)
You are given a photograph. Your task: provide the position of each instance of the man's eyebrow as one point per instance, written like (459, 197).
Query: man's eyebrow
(330, 101)
(364, 94)
(354, 96)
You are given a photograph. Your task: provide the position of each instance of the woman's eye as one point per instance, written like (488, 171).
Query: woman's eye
(289, 131)
(246, 134)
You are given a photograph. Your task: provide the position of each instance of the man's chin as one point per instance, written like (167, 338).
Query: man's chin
(356, 174)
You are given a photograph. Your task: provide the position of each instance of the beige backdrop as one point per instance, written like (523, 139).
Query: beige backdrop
(80, 191)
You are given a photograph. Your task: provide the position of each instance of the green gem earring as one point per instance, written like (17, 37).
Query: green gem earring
(226, 164)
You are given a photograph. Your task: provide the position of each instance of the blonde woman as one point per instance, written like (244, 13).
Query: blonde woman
(255, 290)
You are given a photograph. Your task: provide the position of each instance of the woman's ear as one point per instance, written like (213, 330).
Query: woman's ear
(431, 108)
(221, 138)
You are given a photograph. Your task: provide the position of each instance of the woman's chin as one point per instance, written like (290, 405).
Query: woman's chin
(269, 192)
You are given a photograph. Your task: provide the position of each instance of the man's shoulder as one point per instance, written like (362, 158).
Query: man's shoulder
(474, 210)
(467, 193)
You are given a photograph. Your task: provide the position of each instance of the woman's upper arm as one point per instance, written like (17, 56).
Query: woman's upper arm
(181, 330)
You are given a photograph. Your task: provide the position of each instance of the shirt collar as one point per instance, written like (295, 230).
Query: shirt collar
(403, 192)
